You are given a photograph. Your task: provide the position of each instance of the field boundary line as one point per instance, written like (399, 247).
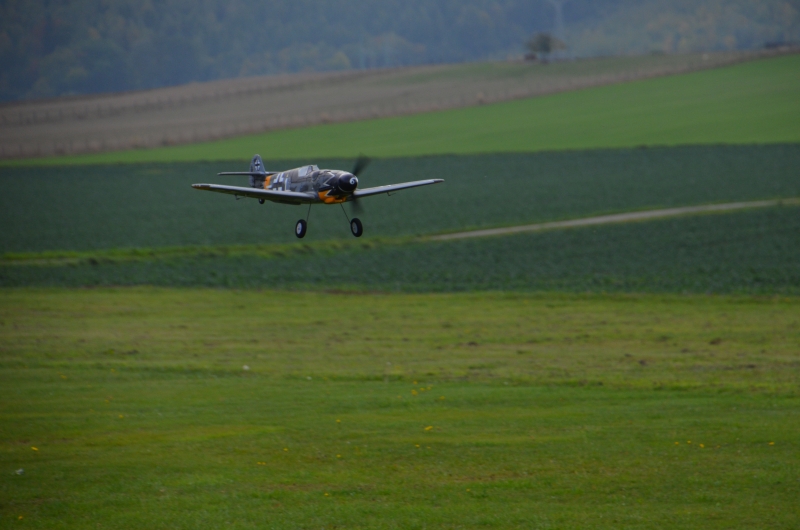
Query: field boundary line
(616, 218)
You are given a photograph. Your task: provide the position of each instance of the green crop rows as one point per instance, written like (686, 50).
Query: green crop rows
(153, 205)
(748, 252)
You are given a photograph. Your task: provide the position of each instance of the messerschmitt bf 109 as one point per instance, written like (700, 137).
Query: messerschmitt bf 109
(309, 185)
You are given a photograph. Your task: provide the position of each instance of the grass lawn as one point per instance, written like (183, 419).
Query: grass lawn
(398, 411)
(754, 102)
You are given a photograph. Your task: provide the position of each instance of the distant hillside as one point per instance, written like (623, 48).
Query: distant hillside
(51, 48)
(681, 26)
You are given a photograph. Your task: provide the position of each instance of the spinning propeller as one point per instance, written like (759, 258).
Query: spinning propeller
(361, 163)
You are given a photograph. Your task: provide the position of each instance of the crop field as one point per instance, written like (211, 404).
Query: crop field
(224, 109)
(153, 205)
(754, 252)
(754, 102)
(177, 359)
(208, 408)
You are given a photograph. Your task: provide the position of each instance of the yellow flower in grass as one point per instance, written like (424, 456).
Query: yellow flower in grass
(414, 392)
(429, 428)
(34, 448)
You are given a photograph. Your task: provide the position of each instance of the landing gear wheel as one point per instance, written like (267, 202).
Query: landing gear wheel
(300, 228)
(260, 201)
(356, 227)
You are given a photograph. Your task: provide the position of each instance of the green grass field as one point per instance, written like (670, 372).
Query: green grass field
(641, 375)
(153, 205)
(401, 411)
(754, 102)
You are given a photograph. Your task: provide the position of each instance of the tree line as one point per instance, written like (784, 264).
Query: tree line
(60, 47)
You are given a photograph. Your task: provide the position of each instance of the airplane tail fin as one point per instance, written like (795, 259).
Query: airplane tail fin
(257, 172)
(256, 165)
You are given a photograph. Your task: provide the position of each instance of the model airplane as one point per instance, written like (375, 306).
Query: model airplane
(308, 185)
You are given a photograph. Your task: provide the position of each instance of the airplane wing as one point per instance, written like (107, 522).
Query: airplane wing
(251, 173)
(289, 197)
(366, 192)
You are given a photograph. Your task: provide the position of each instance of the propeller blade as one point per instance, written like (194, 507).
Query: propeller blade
(355, 206)
(361, 164)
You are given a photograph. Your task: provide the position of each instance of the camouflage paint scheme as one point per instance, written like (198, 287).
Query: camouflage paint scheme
(304, 179)
(304, 185)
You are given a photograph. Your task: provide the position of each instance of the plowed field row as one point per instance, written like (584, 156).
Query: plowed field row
(226, 109)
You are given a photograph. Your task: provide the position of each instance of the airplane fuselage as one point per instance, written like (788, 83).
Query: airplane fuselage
(331, 186)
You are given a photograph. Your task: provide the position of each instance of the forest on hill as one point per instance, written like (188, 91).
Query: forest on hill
(60, 47)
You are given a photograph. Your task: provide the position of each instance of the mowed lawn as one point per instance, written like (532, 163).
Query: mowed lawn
(160, 408)
(754, 102)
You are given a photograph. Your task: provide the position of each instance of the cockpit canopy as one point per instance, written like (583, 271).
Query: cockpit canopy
(306, 170)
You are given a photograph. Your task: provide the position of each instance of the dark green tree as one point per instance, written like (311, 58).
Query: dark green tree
(543, 44)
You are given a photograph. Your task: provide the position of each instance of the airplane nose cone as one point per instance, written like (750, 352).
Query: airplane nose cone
(348, 182)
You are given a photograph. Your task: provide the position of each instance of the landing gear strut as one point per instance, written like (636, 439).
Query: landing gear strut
(355, 224)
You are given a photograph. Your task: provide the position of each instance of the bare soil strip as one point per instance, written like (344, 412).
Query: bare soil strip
(202, 112)
(616, 218)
